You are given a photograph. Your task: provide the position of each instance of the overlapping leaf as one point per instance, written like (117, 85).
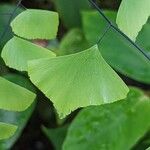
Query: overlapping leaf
(118, 52)
(36, 24)
(6, 130)
(101, 127)
(18, 118)
(132, 15)
(77, 80)
(14, 97)
(17, 52)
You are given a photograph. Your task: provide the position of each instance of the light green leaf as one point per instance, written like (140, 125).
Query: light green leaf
(69, 11)
(73, 42)
(14, 97)
(18, 118)
(148, 148)
(36, 24)
(6, 130)
(118, 52)
(77, 80)
(17, 52)
(116, 126)
(132, 15)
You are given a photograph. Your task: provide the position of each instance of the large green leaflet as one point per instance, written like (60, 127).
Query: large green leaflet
(14, 97)
(17, 52)
(132, 15)
(77, 80)
(117, 126)
(115, 49)
(36, 24)
(6, 130)
(69, 11)
(148, 148)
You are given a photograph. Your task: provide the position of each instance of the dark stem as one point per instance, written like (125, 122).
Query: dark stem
(106, 30)
(118, 30)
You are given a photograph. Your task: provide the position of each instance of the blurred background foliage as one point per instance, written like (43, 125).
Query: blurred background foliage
(39, 126)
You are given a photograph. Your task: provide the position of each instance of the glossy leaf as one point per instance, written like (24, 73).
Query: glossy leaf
(77, 80)
(73, 42)
(132, 15)
(36, 24)
(148, 148)
(116, 126)
(118, 52)
(14, 97)
(70, 11)
(17, 52)
(6, 130)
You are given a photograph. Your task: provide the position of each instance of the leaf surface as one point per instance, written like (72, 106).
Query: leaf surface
(36, 24)
(6, 130)
(17, 52)
(132, 15)
(14, 97)
(116, 126)
(77, 80)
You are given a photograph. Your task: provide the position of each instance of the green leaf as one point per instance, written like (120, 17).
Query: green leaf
(70, 11)
(148, 148)
(143, 37)
(94, 25)
(6, 130)
(116, 126)
(73, 42)
(115, 49)
(56, 136)
(17, 52)
(132, 15)
(77, 80)
(18, 118)
(14, 97)
(36, 24)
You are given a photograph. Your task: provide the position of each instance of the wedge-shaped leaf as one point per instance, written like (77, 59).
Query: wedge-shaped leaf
(14, 97)
(116, 126)
(132, 15)
(17, 52)
(118, 52)
(36, 24)
(18, 118)
(6, 130)
(77, 80)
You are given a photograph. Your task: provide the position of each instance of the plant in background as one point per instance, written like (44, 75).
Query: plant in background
(78, 75)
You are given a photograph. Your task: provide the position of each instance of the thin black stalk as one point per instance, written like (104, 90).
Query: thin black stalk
(118, 30)
(105, 32)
